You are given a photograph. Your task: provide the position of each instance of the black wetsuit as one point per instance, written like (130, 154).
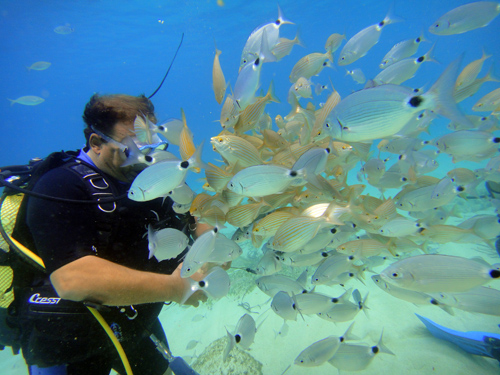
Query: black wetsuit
(64, 232)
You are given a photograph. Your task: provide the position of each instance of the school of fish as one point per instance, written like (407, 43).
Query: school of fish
(284, 185)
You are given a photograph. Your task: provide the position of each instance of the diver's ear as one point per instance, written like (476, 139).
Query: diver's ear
(95, 143)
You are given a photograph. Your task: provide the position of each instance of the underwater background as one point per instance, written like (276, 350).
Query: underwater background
(126, 46)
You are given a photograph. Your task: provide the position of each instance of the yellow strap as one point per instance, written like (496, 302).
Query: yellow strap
(113, 338)
(27, 251)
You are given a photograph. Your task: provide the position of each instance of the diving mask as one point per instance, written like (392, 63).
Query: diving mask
(134, 151)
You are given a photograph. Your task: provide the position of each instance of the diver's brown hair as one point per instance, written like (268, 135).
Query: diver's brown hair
(102, 112)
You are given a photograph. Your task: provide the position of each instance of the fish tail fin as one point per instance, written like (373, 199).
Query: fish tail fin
(231, 342)
(429, 55)
(216, 283)
(297, 39)
(363, 306)
(12, 102)
(490, 76)
(141, 130)
(381, 346)
(193, 287)
(134, 154)
(348, 335)
(195, 161)
(391, 17)
(485, 55)
(272, 94)
(282, 19)
(441, 93)
(422, 37)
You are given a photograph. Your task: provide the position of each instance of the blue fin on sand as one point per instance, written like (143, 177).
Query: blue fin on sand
(480, 343)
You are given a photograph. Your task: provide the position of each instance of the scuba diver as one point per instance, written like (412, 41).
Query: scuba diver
(95, 254)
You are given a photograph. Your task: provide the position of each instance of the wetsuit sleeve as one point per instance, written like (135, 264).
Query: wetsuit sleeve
(62, 232)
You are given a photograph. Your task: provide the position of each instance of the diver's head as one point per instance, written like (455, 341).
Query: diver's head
(103, 112)
(110, 119)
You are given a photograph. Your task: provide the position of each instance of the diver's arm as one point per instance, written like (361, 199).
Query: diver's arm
(94, 279)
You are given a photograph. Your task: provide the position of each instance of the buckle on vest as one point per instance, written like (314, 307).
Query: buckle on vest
(105, 195)
(97, 181)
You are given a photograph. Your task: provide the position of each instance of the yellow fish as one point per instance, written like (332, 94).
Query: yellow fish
(218, 80)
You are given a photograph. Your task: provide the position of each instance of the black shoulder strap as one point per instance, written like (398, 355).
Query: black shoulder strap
(98, 188)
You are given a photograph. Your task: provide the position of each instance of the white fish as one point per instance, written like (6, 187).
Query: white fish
(225, 250)
(350, 357)
(171, 130)
(64, 29)
(382, 111)
(255, 43)
(403, 70)
(245, 331)
(334, 41)
(400, 227)
(276, 283)
(27, 100)
(310, 65)
(322, 350)
(182, 194)
(430, 273)
(181, 208)
(199, 252)
(331, 268)
(489, 102)
(360, 44)
(468, 145)
(412, 296)
(302, 88)
(315, 303)
(402, 50)
(243, 336)
(39, 65)
(284, 46)
(465, 18)
(481, 300)
(214, 285)
(357, 75)
(313, 161)
(345, 310)
(284, 306)
(248, 80)
(267, 179)
(159, 179)
(269, 264)
(166, 243)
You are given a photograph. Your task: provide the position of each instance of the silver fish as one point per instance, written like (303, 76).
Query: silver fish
(158, 179)
(199, 252)
(438, 273)
(350, 357)
(276, 283)
(215, 285)
(267, 179)
(382, 111)
(363, 41)
(465, 18)
(322, 350)
(166, 243)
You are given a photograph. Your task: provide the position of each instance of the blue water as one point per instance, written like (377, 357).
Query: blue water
(126, 46)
